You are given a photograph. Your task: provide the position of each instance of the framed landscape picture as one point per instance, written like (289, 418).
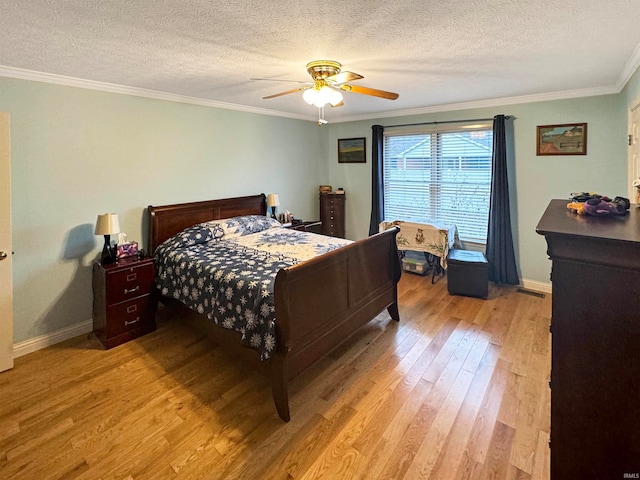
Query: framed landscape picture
(351, 150)
(563, 139)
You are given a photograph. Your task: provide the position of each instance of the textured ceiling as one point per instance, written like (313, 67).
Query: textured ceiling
(433, 53)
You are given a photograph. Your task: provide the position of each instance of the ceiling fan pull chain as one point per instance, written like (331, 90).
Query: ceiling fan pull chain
(321, 120)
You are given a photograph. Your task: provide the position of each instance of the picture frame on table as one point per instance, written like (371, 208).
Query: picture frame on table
(561, 139)
(352, 150)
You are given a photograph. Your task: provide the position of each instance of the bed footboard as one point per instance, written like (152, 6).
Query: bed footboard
(321, 302)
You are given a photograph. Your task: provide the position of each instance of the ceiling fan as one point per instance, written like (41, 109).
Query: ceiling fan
(328, 81)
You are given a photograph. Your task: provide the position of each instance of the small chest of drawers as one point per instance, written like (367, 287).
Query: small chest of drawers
(124, 302)
(332, 214)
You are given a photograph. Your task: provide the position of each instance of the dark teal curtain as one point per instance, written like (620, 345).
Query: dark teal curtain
(500, 253)
(377, 192)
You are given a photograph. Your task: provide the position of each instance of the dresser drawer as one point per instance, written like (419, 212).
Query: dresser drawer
(129, 283)
(134, 314)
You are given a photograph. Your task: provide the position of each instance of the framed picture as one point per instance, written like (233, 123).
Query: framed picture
(563, 139)
(351, 150)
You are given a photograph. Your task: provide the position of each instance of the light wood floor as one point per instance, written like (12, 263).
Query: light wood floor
(457, 390)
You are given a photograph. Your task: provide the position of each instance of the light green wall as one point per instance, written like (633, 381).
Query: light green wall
(77, 153)
(631, 92)
(537, 178)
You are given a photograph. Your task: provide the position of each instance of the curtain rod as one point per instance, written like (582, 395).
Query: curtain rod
(448, 121)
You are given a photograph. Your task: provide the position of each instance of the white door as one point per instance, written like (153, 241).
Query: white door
(6, 284)
(634, 149)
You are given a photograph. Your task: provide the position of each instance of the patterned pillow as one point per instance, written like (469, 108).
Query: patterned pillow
(200, 233)
(194, 235)
(244, 225)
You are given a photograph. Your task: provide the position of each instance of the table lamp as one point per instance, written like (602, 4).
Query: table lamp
(107, 225)
(273, 201)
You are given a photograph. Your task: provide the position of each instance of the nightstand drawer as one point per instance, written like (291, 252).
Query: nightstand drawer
(135, 314)
(129, 283)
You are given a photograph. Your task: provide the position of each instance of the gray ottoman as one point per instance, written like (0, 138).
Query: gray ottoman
(467, 273)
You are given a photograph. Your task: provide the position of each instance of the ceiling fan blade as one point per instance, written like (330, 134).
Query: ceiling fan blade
(282, 80)
(343, 77)
(369, 91)
(338, 104)
(285, 93)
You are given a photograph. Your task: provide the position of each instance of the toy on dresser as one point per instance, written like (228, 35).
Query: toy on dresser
(587, 203)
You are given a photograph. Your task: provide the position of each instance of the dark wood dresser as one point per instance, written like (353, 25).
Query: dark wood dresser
(332, 214)
(124, 301)
(595, 331)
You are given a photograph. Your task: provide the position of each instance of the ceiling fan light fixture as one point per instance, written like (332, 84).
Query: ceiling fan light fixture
(321, 95)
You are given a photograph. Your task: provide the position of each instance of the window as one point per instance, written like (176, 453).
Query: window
(440, 175)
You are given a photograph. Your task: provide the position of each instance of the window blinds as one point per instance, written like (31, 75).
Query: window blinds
(441, 175)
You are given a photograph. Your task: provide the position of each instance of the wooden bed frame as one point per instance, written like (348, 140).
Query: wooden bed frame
(319, 303)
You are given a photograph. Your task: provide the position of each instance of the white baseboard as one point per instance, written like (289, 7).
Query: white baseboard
(536, 286)
(43, 341)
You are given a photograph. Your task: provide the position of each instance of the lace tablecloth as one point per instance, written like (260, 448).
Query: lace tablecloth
(436, 238)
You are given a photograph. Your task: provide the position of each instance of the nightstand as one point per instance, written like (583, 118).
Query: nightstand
(124, 302)
(313, 226)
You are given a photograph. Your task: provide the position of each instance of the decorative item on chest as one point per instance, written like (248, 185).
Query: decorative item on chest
(636, 184)
(285, 217)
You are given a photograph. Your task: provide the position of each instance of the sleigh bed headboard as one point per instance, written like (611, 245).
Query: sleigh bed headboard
(167, 220)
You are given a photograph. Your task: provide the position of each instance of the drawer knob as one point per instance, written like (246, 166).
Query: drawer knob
(131, 290)
(127, 323)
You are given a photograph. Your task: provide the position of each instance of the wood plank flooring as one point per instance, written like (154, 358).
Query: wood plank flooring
(457, 390)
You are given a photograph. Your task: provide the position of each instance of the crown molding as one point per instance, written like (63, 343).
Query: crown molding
(495, 102)
(22, 74)
(629, 69)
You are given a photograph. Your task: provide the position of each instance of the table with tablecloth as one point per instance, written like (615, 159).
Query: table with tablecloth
(431, 237)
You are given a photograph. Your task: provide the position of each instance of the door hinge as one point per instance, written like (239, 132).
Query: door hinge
(630, 139)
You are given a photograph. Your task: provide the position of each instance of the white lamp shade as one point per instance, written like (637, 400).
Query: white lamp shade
(321, 96)
(273, 200)
(309, 95)
(107, 224)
